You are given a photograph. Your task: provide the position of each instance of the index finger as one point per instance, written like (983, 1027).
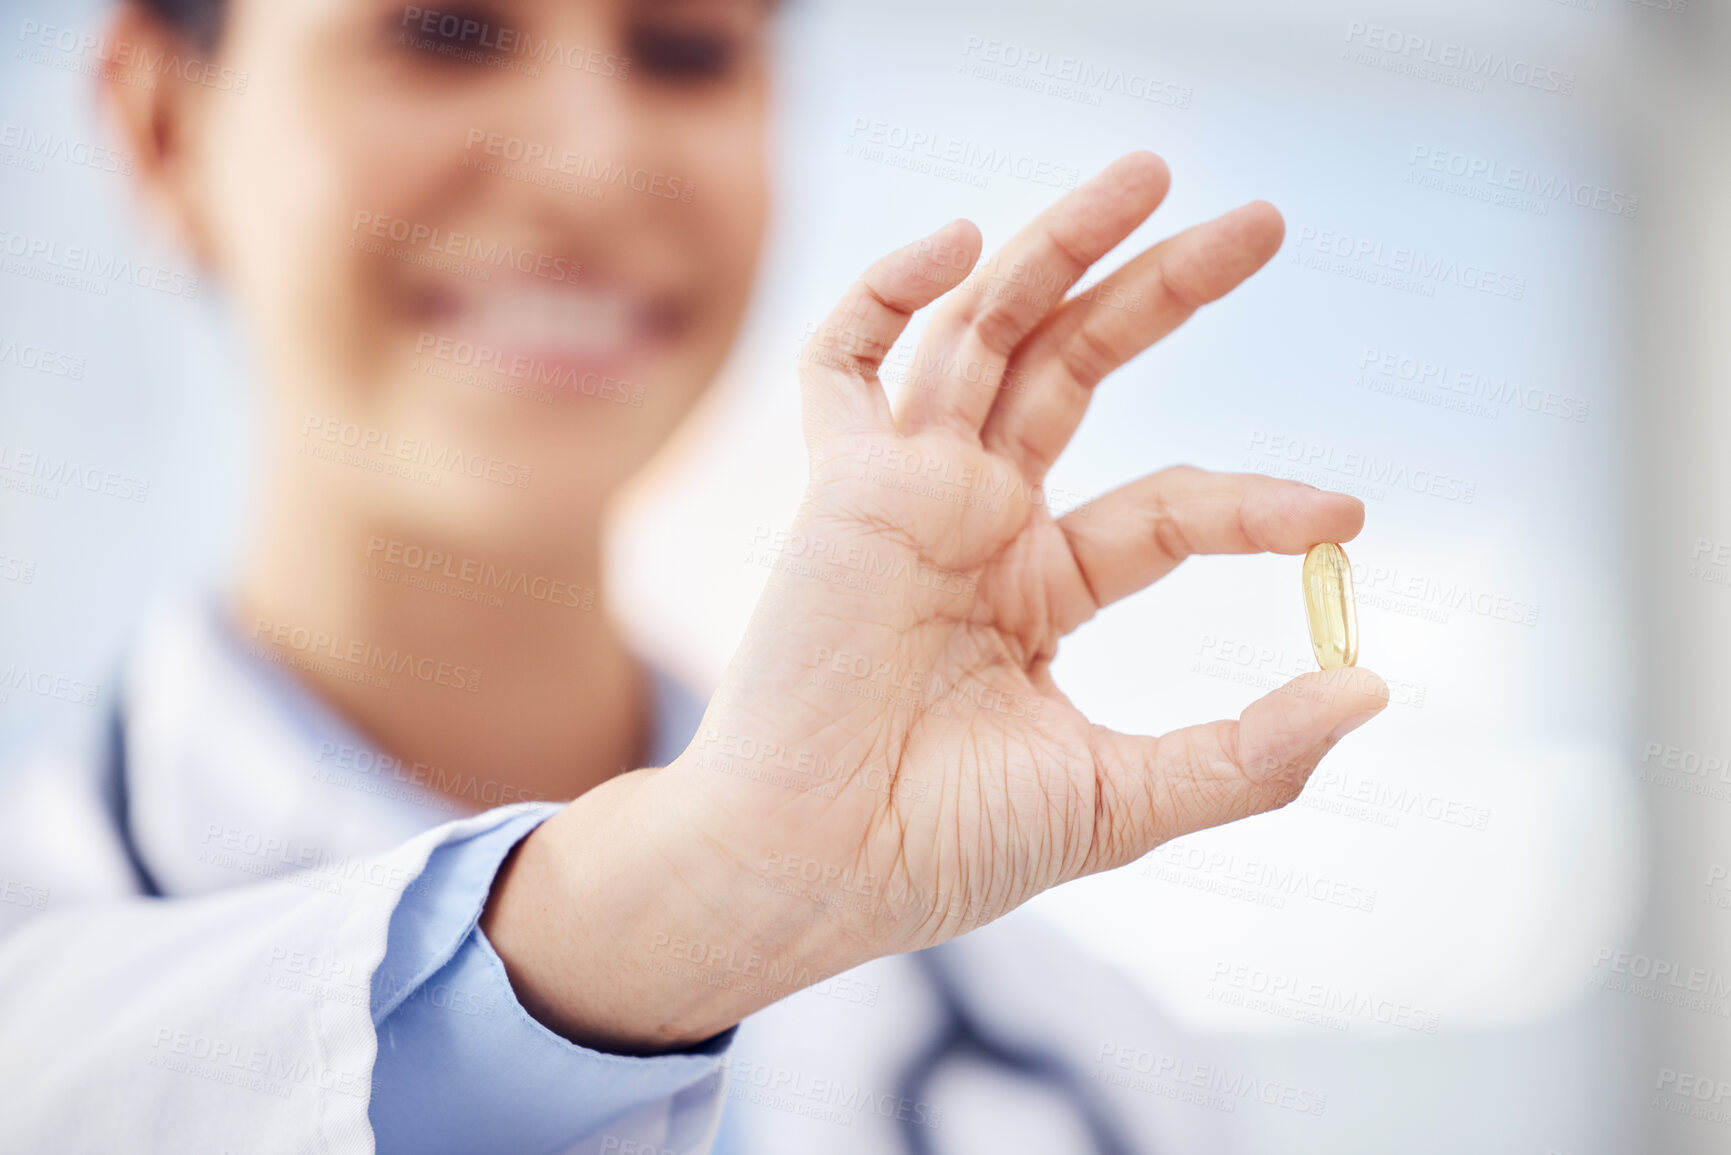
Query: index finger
(1139, 533)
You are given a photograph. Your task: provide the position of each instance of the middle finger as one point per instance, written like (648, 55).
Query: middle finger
(1096, 332)
(959, 365)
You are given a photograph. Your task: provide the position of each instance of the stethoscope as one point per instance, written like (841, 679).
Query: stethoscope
(961, 1036)
(116, 794)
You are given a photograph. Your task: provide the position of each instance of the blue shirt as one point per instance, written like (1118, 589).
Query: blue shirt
(462, 1066)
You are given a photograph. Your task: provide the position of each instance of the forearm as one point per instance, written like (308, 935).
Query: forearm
(625, 930)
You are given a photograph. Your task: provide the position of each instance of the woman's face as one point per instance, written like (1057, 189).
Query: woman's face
(516, 232)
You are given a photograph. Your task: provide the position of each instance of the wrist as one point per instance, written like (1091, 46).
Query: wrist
(624, 926)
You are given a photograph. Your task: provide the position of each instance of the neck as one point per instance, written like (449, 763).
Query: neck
(518, 678)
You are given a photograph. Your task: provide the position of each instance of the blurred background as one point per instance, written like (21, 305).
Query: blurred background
(1499, 318)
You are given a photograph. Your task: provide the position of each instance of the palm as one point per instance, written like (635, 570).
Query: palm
(974, 734)
(935, 776)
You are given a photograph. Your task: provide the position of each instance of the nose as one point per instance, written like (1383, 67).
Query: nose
(587, 114)
(585, 124)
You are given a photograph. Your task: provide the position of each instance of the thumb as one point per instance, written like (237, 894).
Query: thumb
(1153, 790)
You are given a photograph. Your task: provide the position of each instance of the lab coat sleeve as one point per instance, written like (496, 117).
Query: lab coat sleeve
(240, 1021)
(462, 1067)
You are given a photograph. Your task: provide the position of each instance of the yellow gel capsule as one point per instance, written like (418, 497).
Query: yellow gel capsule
(1329, 606)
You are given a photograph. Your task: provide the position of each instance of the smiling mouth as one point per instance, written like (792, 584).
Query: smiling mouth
(604, 326)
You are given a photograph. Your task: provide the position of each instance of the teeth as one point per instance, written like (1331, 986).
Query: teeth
(570, 321)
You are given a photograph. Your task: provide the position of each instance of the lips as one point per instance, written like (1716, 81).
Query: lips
(602, 325)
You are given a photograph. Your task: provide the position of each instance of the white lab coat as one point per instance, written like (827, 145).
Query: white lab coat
(191, 1023)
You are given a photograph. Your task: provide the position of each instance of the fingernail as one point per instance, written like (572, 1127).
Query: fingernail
(1350, 723)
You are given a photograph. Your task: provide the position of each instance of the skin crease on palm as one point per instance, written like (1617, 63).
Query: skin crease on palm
(937, 815)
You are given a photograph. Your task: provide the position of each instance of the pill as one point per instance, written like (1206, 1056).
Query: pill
(1329, 606)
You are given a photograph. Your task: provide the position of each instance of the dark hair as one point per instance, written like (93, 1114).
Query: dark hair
(199, 20)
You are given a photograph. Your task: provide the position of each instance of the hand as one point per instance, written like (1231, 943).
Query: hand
(887, 762)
